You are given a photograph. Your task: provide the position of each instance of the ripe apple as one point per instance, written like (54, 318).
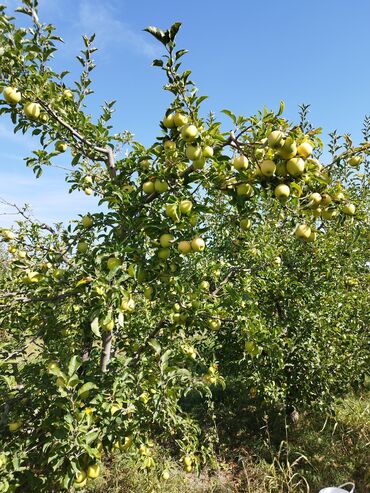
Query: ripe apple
(87, 221)
(338, 196)
(240, 162)
(289, 149)
(349, 209)
(168, 120)
(60, 146)
(32, 110)
(303, 231)
(107, 326)
(165, 475)
(166, 240)
(186, 206)
(329, 213)
(193, 152)
(355, 160)
(113, 262)
(189, 132)
(12, 249)
(169, 145)
(204, 286)
(245, 223)
(275, 140)
(82, 246)
(282, 191)
(267, 167)
(22, 254)
(305, 149)
(180, 119)
(8, 235)
(325, 199)
(93, 471)
(164, 253)
(251, 348)
(53, 365)
(315, 199)
(44, 117)
(12, 95)
(208, 151)
(198, 244)
(312, 237)
(148, 187)
(160, 186)
(295, 166)
(245, 189)
(184, 247)
(88, 191)
(14, 426)
(128, 305)
(80, 476)
(214, 324)
(199, 163)
(187, 460)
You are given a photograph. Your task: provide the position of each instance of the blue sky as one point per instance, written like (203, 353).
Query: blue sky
(243, 54)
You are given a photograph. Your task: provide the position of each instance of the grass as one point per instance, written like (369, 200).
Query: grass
(317, 452)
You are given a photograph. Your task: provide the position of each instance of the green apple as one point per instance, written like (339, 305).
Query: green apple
(214, 324)
(240, 162)
(32, 110)
(267, 167)
(88, 191)
(113, 263)
(295, 166)
(53, 365)
(107, 326)
(93, 471)
(275, 140)
(277, 261)
(315, 199)
(349, 209)
(329, 213)
(148, 187)
(245, 223)
(80, 477)
(148, 292)
(87, 221)
(186, 206)
(60, 146)
(338, 196)
(282, 192)
(355, 160)
(184, 247)
(244, 189)
(8, 235)
(168, 121)
(208, 151)
(166, 240)
(193, 152)
(289, 149)
(325, 199)
(317, 212)
(160, 186)
(14, 426)
(312, 237)
(12, 95)
(198, 244)
(199, 163)
(304, 150)
(251, 348)
(169, 145)
(180, 119)
(189, 132)
(164, 253)
(303, 231)
(172, 212)
(44, 118)
(127, 305)
(82, 246)
(165, 475)
(67, 94)
(204, 286)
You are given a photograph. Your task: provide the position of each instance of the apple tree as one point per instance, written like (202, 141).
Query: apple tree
(212, 259)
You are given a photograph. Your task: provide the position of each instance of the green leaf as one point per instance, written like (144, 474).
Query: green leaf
(74, 364)
(95, 327)
(86, 387)
(156, 32)
(155, 345)
(173, 30)
(281, 108)
(229, 114)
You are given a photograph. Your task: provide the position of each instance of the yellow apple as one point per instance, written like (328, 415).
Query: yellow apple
(60, 146)
(267, 167)
(88, 191)
(148, 187)
(108, 326)
(169, 145)
(295, 166)
(180, 119)
(275, 140)
(354, 160)
(338, 196)
(67, 94)
(329, 213)
(289, 149)
(128, 305)
(166, 240)
(282, 191)
(184, 247)
(198, 244)
(165, 475)
(53, 365)
(208, 151)
(317, 212)
(32, 110)
(87, 221)
(315, 199)
(349, 209)
(240, 162)
(305, 149)
(303, 231)
(186, 206)
(204, 286)
(12, 95)
(8, 235)
(189, 132)
(164, 253)
(245, 224)
(93, 471)
(160, 186)
(172, 212)
(187, 460)
(80, 476)
(113, 262)
(82, 246)
(168, 120)
(325, 199)
(214, 324)
(244, 189)
(193, 152)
